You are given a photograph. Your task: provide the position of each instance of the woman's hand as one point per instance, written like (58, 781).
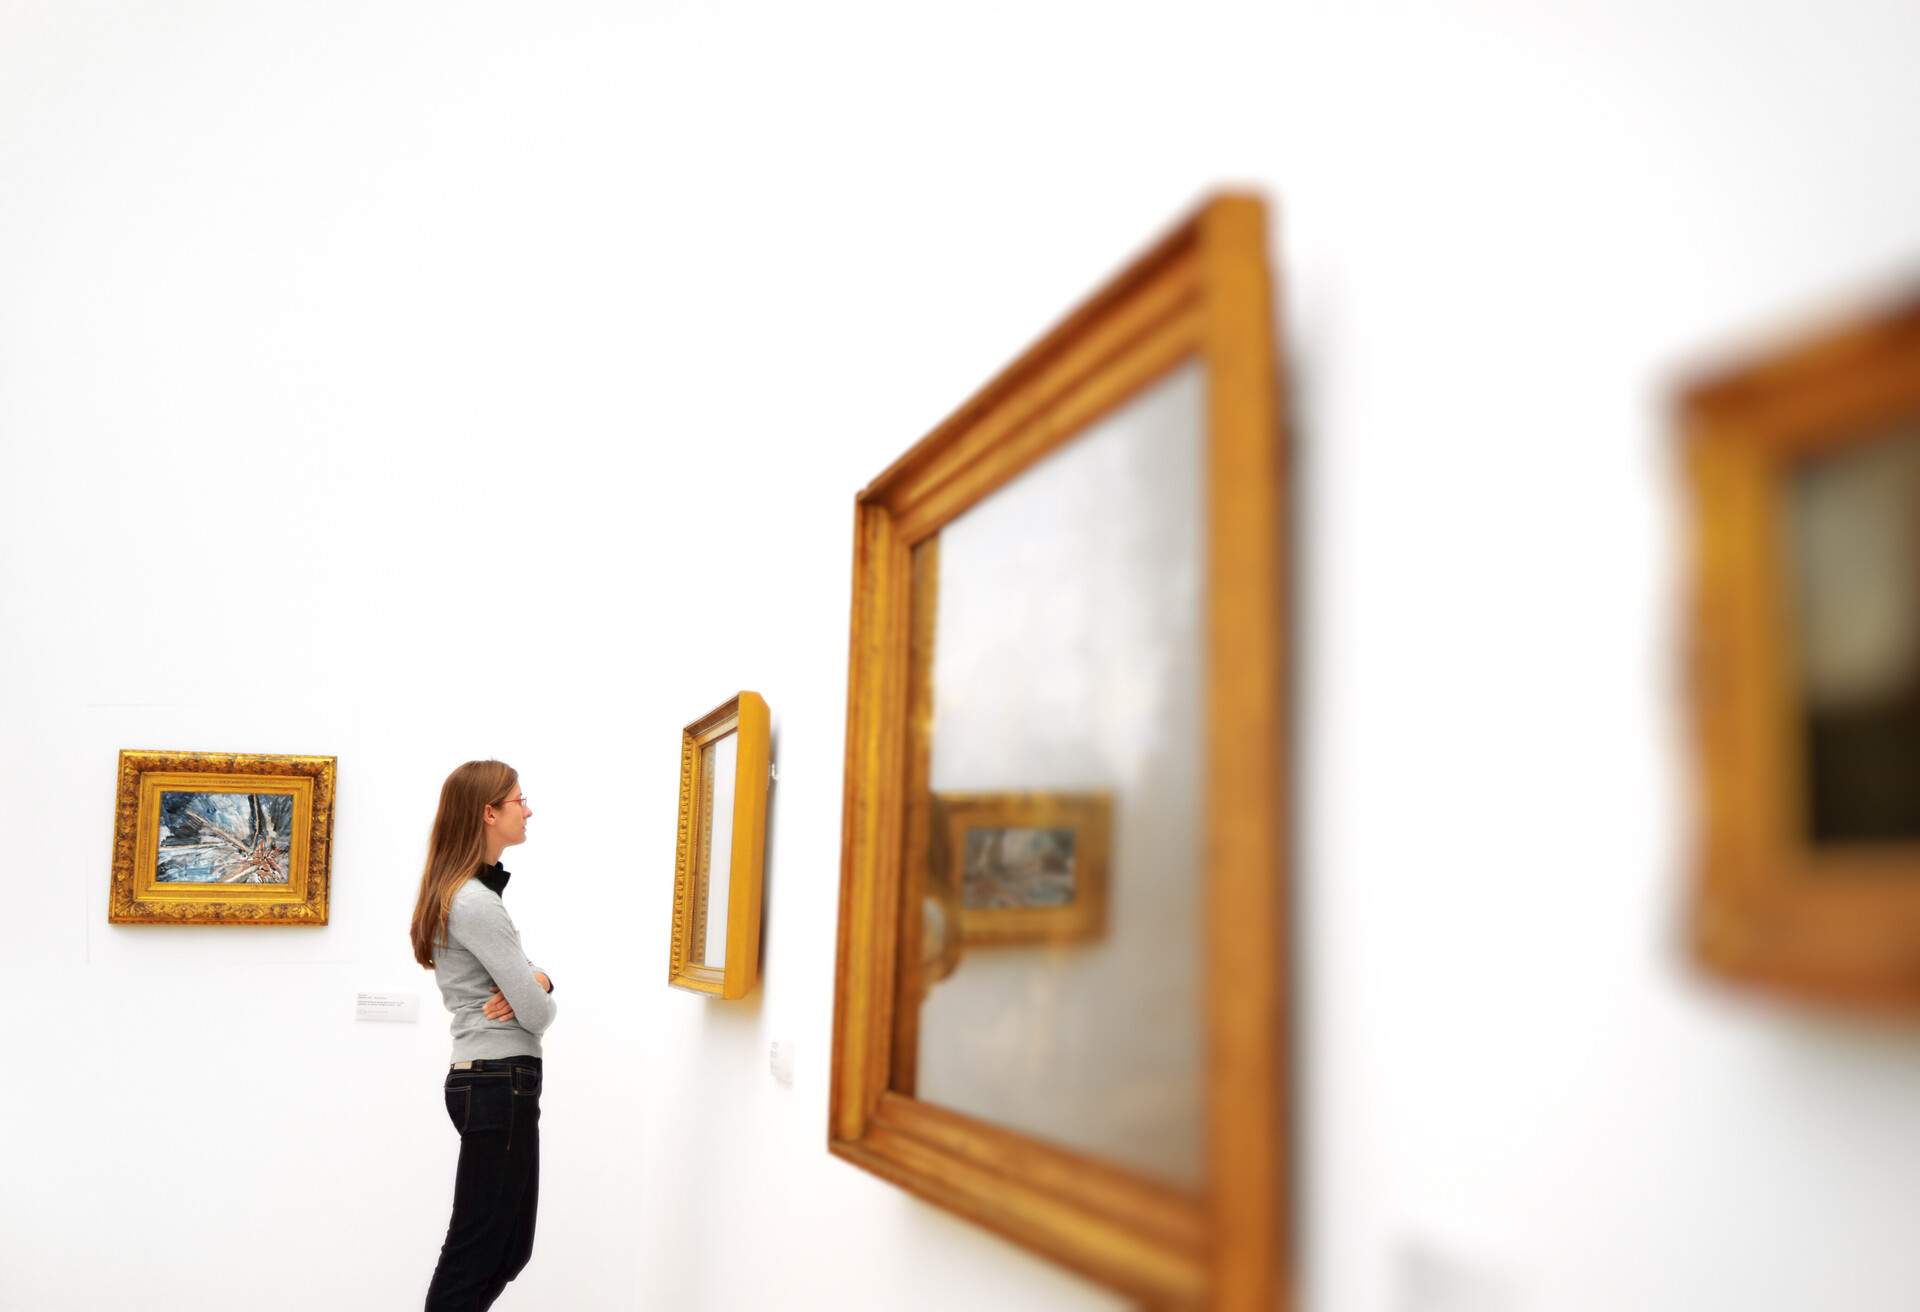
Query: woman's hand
(498, 1008)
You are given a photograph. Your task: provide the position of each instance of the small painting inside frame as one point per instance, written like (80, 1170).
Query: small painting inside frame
(1025, 867)
(222, 838)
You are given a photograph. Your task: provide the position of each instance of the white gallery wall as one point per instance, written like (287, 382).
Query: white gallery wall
(414, 382)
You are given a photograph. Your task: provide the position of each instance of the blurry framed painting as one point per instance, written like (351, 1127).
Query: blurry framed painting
(221, 838)
(1062, 1014)
(1025, 867)
(1804, 473)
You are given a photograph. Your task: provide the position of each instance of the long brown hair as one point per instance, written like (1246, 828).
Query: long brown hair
(457, 847)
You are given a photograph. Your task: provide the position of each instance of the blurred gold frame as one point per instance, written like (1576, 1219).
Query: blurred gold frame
(138, 897)
(1201, 294)
(747, 716)
(1838, 922)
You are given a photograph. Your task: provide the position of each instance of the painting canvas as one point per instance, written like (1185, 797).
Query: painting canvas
(1852, 524)
(221, 838)
(1017, 866)
(225, 838)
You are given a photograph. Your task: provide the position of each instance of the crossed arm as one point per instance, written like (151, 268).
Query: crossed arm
(520, 990)
(498, 1008)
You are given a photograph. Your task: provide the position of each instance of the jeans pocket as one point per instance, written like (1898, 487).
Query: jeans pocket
(458, 1102)
(489, 1109)
(526, 1081)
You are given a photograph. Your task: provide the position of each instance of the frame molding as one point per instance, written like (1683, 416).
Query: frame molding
(1202, 293)
(1839, 923)
(745, 715)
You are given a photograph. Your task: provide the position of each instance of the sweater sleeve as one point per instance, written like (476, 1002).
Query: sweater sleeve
(483, 928)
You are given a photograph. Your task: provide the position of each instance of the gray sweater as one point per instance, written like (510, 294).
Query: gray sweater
(483, 950)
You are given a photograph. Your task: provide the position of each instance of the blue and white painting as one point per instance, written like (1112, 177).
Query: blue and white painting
(225, 838)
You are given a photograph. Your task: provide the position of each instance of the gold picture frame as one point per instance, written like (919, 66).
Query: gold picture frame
(212, 838)
(743, 830)
(1833, 921)
(1201, 295)
(1052, 889)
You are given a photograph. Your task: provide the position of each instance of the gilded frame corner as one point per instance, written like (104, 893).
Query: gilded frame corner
(746, 716)
(137, 896)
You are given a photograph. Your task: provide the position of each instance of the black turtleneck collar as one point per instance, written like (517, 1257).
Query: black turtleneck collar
(494, 877)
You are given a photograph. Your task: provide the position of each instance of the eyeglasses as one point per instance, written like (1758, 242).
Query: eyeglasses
(522, 799)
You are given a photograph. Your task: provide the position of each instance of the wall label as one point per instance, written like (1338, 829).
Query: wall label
(403, 1007)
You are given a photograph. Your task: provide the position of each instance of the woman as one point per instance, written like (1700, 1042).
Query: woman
(500, 1008)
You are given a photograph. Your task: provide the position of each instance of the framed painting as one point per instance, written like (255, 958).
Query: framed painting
(1078, 581)
(221, 839)
(1804, 487)
(719, 861)
(1024, 867)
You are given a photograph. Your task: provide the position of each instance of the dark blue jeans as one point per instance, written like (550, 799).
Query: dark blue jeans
(496, 1188)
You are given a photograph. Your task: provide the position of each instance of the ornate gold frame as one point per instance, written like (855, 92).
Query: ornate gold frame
(137, 898)
(1201, 294)
(1089, 815)
(1840, 922)
(747, 716)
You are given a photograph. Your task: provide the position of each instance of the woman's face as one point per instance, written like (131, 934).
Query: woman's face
(507, 822)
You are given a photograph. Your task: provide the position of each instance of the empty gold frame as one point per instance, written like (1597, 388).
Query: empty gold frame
(220, 838)
(966, 597)
(724, 767)
(1804, 473)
